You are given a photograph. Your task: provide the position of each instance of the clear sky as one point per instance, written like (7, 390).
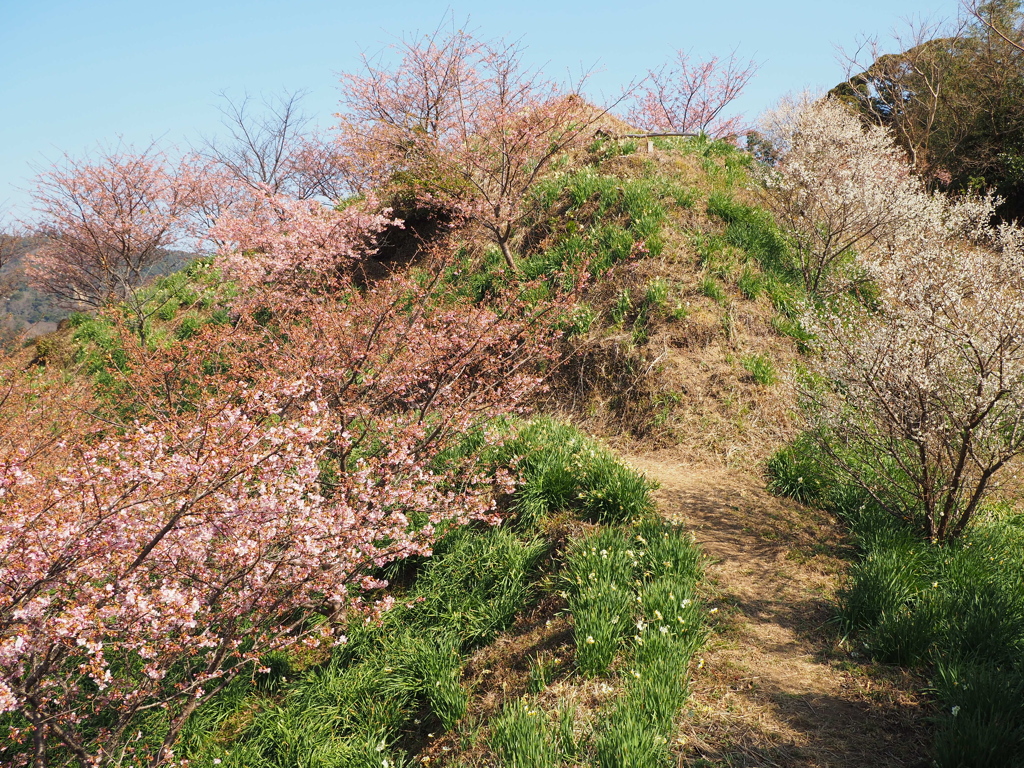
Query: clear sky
(74, 73)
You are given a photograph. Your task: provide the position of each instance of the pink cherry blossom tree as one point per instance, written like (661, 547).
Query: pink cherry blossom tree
(689, 96)
(158, 564)
(465, 121)
(107, 221)
(269, 468)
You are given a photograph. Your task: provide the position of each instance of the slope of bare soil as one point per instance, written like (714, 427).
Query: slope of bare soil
(775, 688)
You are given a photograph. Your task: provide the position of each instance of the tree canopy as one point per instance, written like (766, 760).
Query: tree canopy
(954, 100)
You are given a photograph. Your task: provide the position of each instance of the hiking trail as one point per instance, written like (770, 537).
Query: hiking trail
(773, 687)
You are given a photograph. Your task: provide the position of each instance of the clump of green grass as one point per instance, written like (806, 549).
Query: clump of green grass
(799, 472)
(656, 296)
(755, 231)
(955, 609)
(760, 368)
(750, 284)
(627, 740)
(474, 584)
(669, 630)
(580, 321)
(598, 574)
(561, 468)
(786, 326)
(621, 307)
(787, 299)
(982, 720)
(640, 313)
(523, 737)
(543, 669)
(711, 288)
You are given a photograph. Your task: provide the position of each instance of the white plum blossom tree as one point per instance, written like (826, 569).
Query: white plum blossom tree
(919, 394)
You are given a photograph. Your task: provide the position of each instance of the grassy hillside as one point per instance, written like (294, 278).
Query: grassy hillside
(570, 633)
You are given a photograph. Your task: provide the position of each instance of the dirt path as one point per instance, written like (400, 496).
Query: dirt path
(774, 689)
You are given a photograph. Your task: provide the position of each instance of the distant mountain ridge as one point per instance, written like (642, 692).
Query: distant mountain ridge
(24, 307)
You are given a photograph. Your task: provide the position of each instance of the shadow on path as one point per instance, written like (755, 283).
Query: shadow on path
(774, 689)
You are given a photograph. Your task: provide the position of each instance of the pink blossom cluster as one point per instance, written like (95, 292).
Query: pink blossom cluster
(688, 96)
(273, 240)
(192, 547)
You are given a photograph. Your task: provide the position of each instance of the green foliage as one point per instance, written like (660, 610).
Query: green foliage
(787, 298)
(956, 609)
(668, 631)
(473, 585)
(629, 741)
(600, 220)
(523, 736)
(750, 284)
(430, 665)
(760, 368)
(713, 290)
(794, 330)
(800, 472)
(639, 314)
(622, 307)
(176, 307)
(754, 232)
(606, 148)
(543, 669)
(664, 551)
(352, 709)
(580, 321)
(599, 572)
(657, 294)
(982, 723)
(561, 468)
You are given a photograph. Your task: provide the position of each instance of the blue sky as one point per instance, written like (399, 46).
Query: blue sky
(76, 73)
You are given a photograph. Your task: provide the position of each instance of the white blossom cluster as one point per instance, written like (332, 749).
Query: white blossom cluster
(839, 189)
(925, 380)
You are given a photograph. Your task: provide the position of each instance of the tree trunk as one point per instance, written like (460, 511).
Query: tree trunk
(503, 244)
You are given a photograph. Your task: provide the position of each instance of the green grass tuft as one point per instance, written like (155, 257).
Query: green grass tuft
(761, 369)
(523, 736)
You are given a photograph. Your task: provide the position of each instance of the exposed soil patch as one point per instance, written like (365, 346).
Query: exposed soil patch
(775, 687)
